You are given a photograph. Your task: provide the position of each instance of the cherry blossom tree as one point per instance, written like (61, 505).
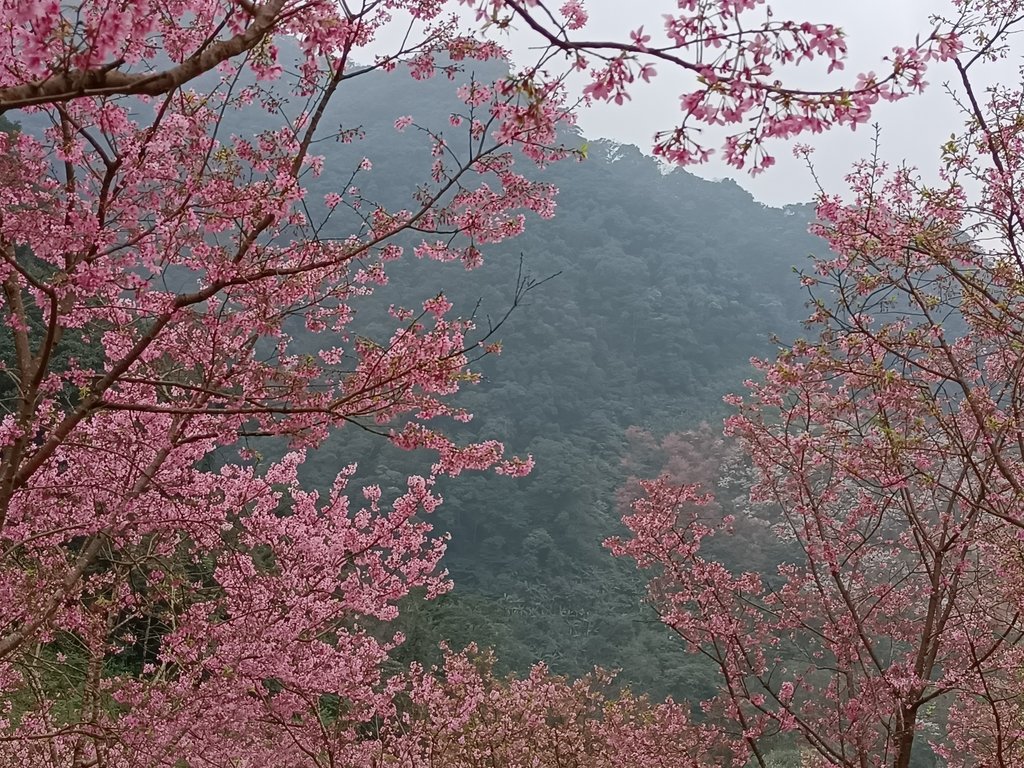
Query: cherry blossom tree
(159, 609)
(462, 714)
(890, 445)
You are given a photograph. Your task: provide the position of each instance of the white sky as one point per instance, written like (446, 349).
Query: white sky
(912, 130)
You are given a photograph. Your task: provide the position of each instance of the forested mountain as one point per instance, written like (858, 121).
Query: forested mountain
(662, 288)
(666, 286)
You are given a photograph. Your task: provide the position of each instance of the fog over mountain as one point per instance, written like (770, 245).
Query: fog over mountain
(665, 285)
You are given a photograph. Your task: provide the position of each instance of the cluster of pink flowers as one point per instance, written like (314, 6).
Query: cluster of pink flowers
(160, 608)
(886, 448)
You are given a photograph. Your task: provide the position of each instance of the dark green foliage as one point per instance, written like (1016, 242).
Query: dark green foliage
(668, 285)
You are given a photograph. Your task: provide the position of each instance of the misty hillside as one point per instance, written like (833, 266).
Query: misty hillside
(666, 286)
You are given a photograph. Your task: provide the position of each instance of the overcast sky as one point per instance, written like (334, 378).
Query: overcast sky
(912, 129)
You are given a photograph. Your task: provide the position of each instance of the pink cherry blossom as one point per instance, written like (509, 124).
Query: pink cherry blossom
(171, 597)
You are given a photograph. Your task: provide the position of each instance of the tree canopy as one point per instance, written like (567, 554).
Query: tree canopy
(196, 301)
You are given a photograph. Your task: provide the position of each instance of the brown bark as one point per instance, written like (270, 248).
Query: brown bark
(109, 80)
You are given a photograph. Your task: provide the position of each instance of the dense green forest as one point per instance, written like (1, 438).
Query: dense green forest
(663, 286)
(666, 285)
